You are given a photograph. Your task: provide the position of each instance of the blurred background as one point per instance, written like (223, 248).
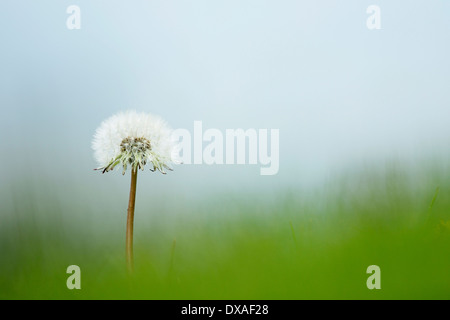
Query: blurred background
(364, 132)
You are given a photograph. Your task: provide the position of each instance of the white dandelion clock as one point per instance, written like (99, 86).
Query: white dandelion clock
(136, 141)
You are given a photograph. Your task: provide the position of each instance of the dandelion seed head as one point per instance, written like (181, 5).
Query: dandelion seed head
(134, 140)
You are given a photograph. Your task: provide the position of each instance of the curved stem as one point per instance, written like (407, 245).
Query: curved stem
(130, 220)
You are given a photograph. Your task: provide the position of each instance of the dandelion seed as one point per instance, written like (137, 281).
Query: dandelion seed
(134, 140)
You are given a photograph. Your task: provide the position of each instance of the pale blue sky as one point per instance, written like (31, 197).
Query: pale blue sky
(340, 94)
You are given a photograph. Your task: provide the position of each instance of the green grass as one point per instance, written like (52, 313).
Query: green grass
(287, 245)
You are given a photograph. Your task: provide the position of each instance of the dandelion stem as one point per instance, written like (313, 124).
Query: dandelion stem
(130, 219)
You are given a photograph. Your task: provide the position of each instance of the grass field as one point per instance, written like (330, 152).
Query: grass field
(290, 244)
